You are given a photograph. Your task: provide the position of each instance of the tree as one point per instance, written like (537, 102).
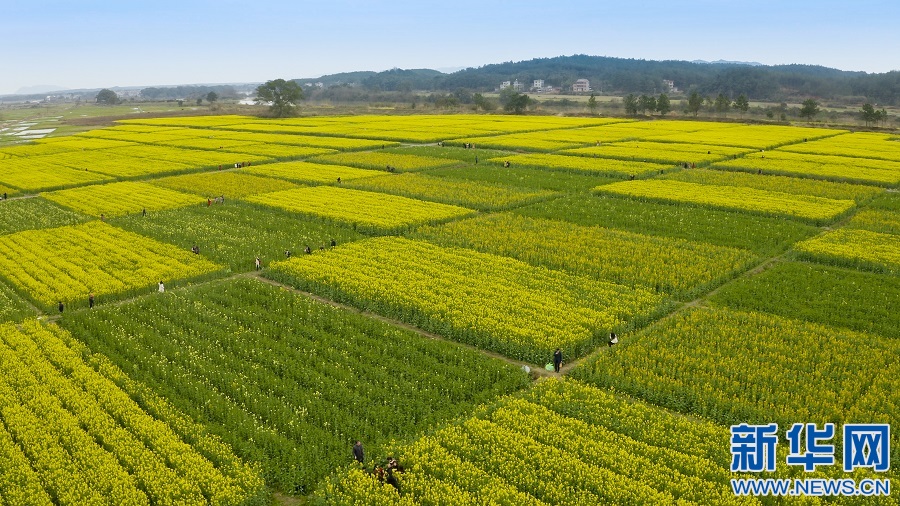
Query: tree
(869, 114)
(483, 103)
(199, 100)
(592, 104)
(695, 102)
(663, 105)
(741, 104)
(282, 95)
(108, 97)
(809, 109)
(646, 103)
(212, 97)
(631, 104)
(513, 101)
(721, 104)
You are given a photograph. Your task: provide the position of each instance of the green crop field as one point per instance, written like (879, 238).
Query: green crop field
(214, 309)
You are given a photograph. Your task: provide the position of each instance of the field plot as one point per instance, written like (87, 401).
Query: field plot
(12, 307)
(27, 214)
(111, 163)
(876, 220)
(602, 166)
(231, 184)
(313, 141)
(492, 302)
(116, 199)
(524, 177)
(660, 152)
(278, 151)
(481, 196)
(383, 160)
(306, 172)
(236, 233)
(750, 136)
(196, 158)
(856, 145)
(139, 124)
(560, 442)
(812, 209)
(861, 249)
(744, 367)
(831, 168)
(66, 264)
(287, 381)
(39, 173)
(448, 152)
(861, 301)
(674, 266)
(760, 234)
(363, 210)
(72, 436)
(792, 185)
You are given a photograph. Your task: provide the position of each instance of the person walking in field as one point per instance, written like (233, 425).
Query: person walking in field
(144, 212)
(333, 244)
(307, 249)
(162, 287)
(557, 360)
(91, 301)
(358, 453)
(258, 264)
(613, 339)
(60, 306)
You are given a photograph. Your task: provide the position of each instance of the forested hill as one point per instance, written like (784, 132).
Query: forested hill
(620, 75)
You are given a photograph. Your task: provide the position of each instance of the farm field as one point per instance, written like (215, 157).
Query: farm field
(333, 279)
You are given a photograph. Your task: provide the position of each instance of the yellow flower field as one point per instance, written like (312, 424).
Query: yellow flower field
(365, 211)
(116, 199)
(307, 172)
(857, 145)
(477, 195)
(111, 163)
(314, 141)
(783, 184)
(381, 161)
(72, 436)
(231, 184)
(750, 136)
(829, 167)
(621, 168)
(670, 265)
(492, 302)
(67, 263)
(876, 220)
(858, 248)
(813, 209)
(660, 152)
(33, 174)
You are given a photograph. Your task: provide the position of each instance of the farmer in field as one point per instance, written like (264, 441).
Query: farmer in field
(557, 360)
(613, 339)
(144, 212)
(60, 306)
(162, 287)
(195, 249)
(506, 164)
(358, 452)
(307, 249)
(91, 301)
(333, 244)
(258, 264)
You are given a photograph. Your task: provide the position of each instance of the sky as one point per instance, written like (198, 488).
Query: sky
(76, 44)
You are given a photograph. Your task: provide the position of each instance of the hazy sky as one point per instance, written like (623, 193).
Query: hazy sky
(94, 44)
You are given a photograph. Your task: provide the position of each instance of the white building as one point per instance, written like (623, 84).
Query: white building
(505, 84)
(670, 85)
(517, 85)
(538, 85)
(581, 85)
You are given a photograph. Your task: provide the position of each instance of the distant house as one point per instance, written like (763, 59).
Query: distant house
(538, 85)
(670, 85)
(581, 85)
(517, 85)
(505, 84)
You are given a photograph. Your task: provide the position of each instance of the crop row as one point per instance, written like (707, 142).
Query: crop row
(674, 266)
(855, 145)
(792, 185)
(745, 367)
(365, 211)
(761, 234)
(606, 166)
(660, 152)
(496, 303)
(67, 263)
(35, 174)
(27, 214)
(749, 136)
(306, 172)
(831, 168)
(231, 184)
(115, 199)
(560, 442)
(876, 220)
(481, 196)
(773, 203)
(384, 161)
(287, 381)
(56, 410)
(862, 249)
